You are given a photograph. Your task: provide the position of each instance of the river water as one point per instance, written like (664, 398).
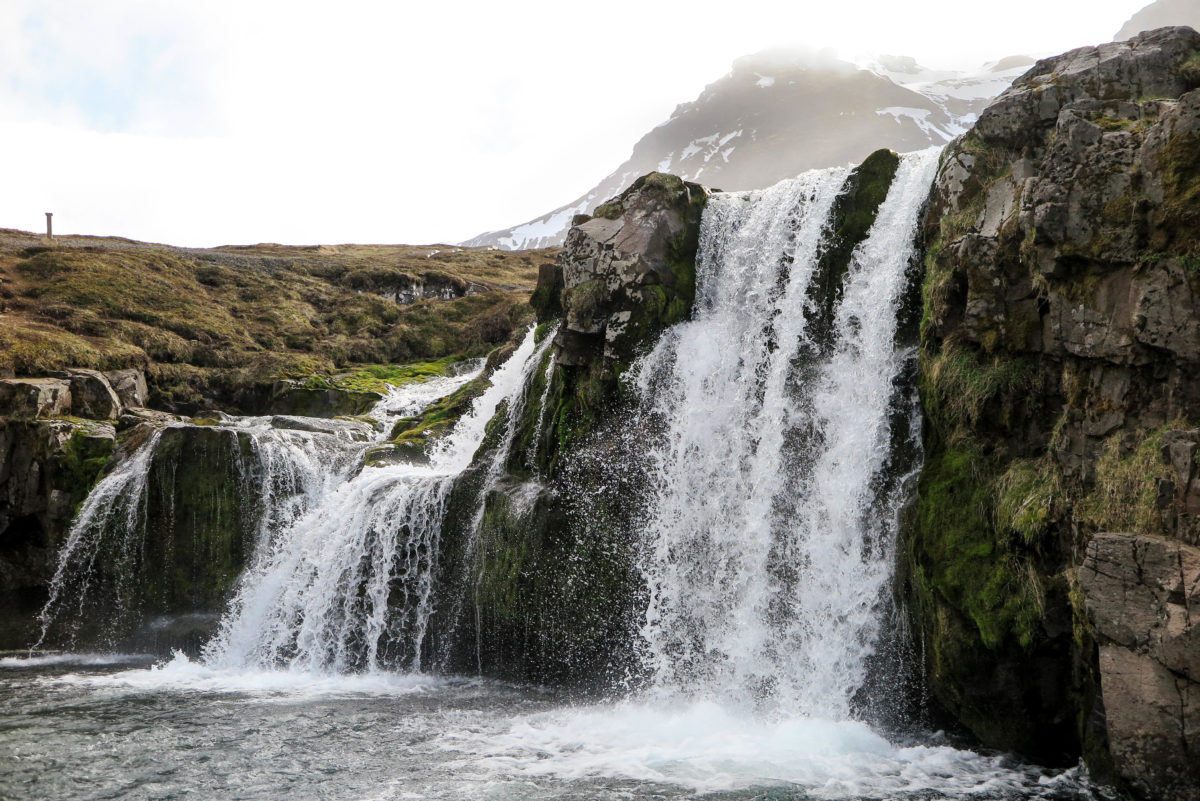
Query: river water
(106, 727)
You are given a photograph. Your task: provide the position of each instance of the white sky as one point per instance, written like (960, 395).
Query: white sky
(231, 121)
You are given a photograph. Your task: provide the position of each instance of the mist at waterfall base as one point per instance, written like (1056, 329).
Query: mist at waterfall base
(776, 424)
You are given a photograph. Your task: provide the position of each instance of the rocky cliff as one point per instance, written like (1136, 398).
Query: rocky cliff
(1050, 558)
(550, 505)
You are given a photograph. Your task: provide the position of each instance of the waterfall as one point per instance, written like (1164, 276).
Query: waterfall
(769, 551)
(280, 466)
(350, 585)
(115, 504)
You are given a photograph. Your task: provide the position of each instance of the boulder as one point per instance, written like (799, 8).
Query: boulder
(30, 398)
(130, 386)
(295, 399)
(92, 396)
(629, 270)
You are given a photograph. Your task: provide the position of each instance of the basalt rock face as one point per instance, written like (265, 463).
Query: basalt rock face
(47, 467)
(552, 582)
(1142, 592)
(1060, 375)
(630, 270)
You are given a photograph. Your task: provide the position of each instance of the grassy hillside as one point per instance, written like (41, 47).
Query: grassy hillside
(210, 325)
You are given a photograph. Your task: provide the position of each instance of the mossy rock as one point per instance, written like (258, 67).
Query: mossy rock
(851, 218)
(291, 398)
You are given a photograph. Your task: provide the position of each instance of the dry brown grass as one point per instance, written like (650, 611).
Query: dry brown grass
(242, 315)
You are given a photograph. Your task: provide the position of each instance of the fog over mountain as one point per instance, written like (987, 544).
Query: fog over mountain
(1159, 15)
(780, 112)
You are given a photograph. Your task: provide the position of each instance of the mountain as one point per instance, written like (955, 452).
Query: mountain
(778, 113)
(1161, 14)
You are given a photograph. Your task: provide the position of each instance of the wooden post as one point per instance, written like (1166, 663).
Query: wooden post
(49, 225)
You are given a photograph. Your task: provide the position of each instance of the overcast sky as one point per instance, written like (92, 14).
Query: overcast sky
(211, 121)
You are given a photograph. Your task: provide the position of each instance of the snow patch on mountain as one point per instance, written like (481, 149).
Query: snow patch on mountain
(781, 112)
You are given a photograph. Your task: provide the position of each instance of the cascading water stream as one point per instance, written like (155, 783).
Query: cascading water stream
(767, 555)
(350, 586)
(288, 465)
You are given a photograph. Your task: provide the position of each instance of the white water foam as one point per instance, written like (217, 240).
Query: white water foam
(82, 659)
(706, 748)
(765, 564)
(180, 674)
(349, 586)
(295, 462)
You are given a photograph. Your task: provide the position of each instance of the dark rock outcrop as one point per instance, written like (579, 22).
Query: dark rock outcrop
(161, 558)
(47, 467)
(629, 271)
(1141, 593)
(30, 398)
(295, 398)
(1060, 375)
(551, 583)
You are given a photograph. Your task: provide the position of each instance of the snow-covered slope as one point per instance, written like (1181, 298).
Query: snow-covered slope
(779, 113)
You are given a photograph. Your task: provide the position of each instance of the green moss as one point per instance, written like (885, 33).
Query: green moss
(662, 181)
(959, 384)
(81, 460)
(439, 417)
(378, 377)
(1150, 258)
(1118, 210)
(505, 558)
(959, 554)
(609, 211)
(1028, 495)
(1111, 123)
(1190, 70)
(1191, 264)
(1179, 167)
(1125, 492)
